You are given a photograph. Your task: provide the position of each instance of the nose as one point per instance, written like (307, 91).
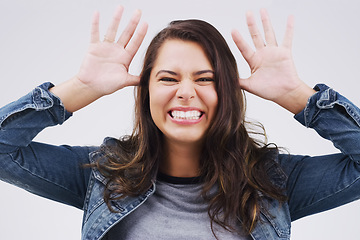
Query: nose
(186, 90)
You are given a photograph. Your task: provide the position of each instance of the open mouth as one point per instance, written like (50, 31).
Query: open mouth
(186, 115)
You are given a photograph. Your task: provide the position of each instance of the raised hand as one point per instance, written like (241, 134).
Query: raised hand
(273, 73)
(105, 67)
(106, 64)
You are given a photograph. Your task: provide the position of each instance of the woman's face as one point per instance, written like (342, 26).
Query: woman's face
(183, 98)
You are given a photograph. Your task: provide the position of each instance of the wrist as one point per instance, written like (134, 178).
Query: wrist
(74, 94)
(296, 100)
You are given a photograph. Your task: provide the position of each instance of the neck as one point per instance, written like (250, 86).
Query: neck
(181, 160)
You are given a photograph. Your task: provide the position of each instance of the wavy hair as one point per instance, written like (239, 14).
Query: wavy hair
(240, 165)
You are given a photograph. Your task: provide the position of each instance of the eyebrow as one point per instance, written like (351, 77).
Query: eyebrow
(175, 74)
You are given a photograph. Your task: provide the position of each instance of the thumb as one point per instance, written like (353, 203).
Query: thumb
(245, 83)
(132, 80)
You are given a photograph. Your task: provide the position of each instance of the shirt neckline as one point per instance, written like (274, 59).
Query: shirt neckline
(178, 180)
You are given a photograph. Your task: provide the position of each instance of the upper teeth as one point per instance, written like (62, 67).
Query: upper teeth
(190, 115)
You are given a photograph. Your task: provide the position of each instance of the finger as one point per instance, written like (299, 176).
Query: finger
(242, 45)
(254, 31)
(289, 33)
(135, 43)
(94, 38)
(130, 29)
(114, 25)
(268, 29)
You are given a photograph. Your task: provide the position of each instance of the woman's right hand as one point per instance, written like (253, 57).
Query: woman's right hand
(105, 67)
(106, 64)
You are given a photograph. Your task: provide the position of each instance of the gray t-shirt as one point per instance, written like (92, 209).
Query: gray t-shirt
(175, 211)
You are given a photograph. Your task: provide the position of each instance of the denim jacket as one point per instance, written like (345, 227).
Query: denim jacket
(313, 184)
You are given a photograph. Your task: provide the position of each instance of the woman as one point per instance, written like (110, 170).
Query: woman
(190, 141)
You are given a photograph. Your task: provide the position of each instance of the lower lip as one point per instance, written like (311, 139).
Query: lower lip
(186, 121)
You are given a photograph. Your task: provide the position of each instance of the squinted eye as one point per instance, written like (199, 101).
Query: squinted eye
(165, 79)
(205, 80)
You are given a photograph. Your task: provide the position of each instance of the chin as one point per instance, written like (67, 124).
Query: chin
(187, 139)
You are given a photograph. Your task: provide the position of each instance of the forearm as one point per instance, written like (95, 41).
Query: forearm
(54, 172)
(22, 120)
(335, 118)
(319, 183)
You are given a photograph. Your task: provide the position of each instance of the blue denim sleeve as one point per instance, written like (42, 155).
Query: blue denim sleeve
(320, 183)
(54, 172)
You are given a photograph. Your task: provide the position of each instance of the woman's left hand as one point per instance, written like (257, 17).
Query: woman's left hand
(273, 73)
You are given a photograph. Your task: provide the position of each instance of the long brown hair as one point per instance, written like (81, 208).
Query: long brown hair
(237, 163)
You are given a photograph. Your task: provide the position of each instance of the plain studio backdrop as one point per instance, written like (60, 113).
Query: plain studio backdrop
(45, 40)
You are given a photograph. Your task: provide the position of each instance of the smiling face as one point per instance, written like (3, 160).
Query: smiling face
(182, 93)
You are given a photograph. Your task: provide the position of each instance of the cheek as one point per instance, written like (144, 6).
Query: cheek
(213, 107)
(209, 98)
(213, 99)
(154, 106)
(158, 99)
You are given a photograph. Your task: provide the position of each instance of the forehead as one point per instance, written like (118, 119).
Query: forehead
(176, 53)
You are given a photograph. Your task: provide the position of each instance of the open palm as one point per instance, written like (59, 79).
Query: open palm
(105, 66)
(273, 73)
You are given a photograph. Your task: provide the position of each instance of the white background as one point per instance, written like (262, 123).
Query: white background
(45, 40)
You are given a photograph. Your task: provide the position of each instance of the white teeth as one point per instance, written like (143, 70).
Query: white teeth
(188, 115)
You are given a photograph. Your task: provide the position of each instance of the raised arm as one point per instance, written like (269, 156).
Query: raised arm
(273, 73)
(105, 67)
(319, 183)
(57, 172)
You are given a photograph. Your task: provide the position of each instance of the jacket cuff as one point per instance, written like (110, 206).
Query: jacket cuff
(38, 99)
(325, 98)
